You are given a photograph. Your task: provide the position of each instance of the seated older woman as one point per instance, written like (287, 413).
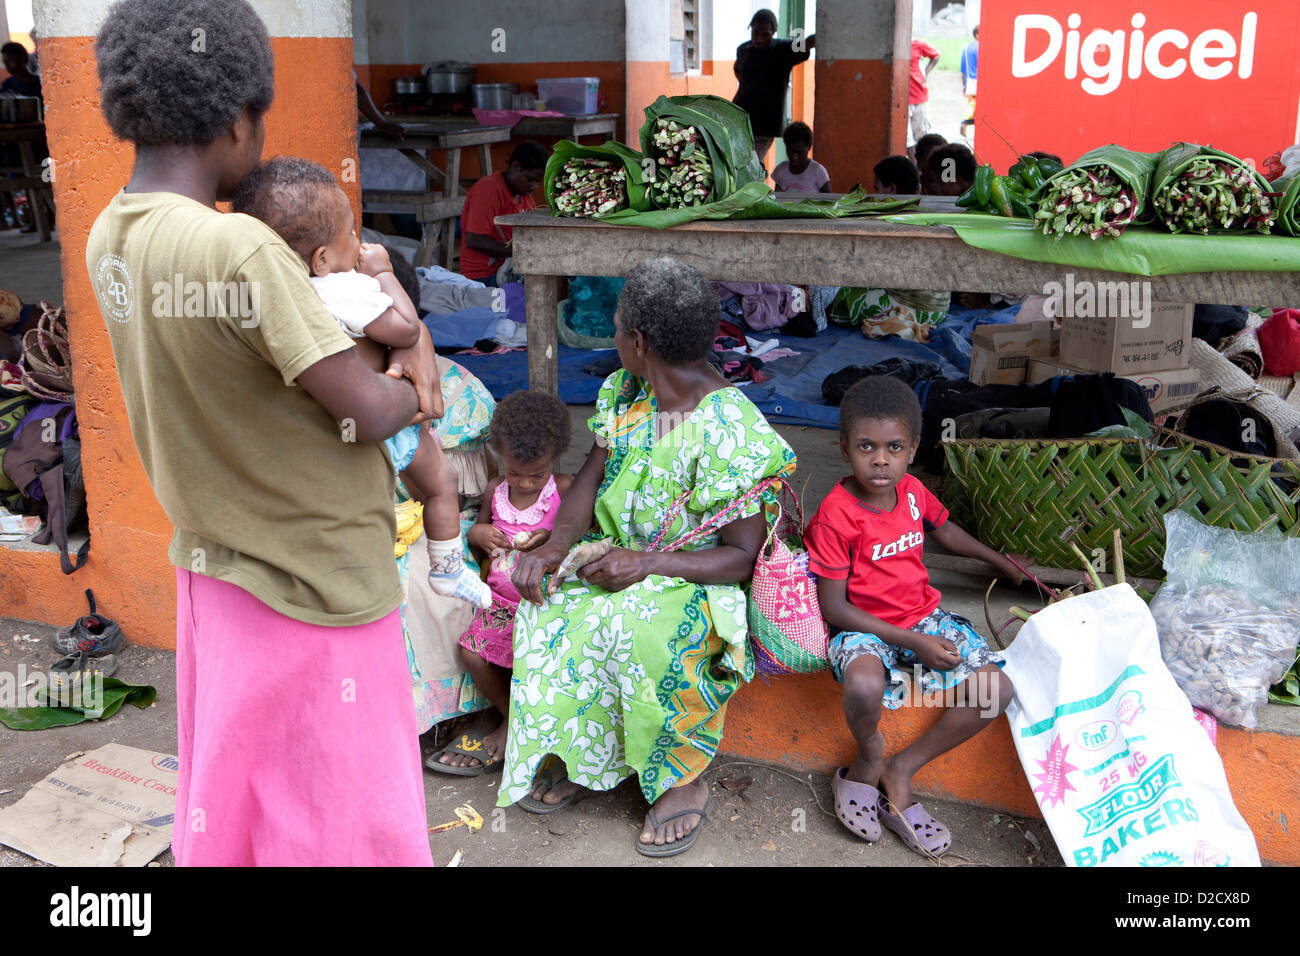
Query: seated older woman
(628, 668)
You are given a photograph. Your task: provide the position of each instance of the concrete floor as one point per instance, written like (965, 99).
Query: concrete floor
(30, 268)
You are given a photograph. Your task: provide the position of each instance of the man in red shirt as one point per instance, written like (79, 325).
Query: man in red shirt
(484, 245)
(918, 94)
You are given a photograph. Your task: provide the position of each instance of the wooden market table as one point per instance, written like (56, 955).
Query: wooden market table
(436, 207)
(568, 127)
(854, 252)
(40, 192)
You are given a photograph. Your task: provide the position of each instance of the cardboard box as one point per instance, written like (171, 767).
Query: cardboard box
(1164, 388)
(989, 368)
(1016, 338)
(1001, 353)
(1106, 343)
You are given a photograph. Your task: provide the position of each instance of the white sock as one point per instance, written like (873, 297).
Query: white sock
(449, 576)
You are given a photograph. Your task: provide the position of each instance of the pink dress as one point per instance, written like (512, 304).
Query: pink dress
(491, 633)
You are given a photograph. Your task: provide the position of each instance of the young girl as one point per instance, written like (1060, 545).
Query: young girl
(800, 173)
(865, 545)
(530, 431)
(301, 201)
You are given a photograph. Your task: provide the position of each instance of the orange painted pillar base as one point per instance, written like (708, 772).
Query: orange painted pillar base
(798, 722)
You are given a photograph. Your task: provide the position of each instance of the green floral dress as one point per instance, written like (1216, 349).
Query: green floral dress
(638, 681)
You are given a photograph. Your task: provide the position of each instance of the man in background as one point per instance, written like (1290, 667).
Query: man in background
(763, 66)
(918, 93)
(970, 58)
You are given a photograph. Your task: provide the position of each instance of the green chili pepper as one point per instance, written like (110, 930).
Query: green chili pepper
(984, 185)
(1029, 172)
(967, 199)
(1001, 201)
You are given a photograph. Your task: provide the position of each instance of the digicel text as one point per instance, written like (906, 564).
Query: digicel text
(1210, 57)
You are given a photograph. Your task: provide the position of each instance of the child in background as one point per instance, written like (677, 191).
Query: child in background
(303, 203)
(896, 175)
(926, 145)
(865, 545)
(530, 431)
(799, 173)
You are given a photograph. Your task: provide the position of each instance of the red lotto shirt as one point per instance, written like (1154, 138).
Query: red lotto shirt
(878, 553)
(488, 198)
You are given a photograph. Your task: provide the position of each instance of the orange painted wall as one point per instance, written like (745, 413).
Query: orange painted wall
(798, 722)
(128, 569)
(852, 129)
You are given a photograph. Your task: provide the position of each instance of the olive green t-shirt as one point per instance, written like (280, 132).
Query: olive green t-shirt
(212, 318)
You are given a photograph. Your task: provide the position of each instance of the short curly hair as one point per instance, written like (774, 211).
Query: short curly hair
(181, 71)
(529, 426)
(673, 306)
(879, 397)
(287, 194)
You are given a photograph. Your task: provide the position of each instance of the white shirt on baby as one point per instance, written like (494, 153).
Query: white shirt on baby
(354, 299)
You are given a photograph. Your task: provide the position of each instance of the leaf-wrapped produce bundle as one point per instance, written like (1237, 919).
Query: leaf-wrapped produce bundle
(1201, 189)
(1288, 216)
(595, 181)
(1101, 193)
(698, 142)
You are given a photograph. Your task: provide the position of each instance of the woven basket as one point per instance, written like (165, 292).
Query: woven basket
(1037, 497)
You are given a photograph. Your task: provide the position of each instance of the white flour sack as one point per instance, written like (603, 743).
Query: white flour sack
(1121, 770)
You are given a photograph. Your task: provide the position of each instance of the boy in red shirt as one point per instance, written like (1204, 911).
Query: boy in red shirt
(865, 545)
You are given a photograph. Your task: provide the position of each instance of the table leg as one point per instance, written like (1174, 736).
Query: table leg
(453, 189)
(34, 198)
(541, 296)
(484, 160)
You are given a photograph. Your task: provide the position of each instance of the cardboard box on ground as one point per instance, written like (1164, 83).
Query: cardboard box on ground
(1151, 350)
(1001, 353)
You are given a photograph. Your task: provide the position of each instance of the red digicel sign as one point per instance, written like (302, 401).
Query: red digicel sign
(1067, 75)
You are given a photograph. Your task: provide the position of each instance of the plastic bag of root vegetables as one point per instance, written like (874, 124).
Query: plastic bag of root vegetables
(1228, 615)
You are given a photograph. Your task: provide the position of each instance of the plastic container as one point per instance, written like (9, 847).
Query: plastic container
(573, 96)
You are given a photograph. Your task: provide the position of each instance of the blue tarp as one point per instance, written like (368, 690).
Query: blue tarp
(793, 393)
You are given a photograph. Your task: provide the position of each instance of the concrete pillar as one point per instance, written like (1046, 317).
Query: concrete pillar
(314, 116)
(863, 51)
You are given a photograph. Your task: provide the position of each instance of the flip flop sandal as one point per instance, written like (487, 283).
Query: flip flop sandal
(921, 832)
(553, 776)
(94, 633)
(470, 745)
(857, 805)
(678, 846)
(70, 672)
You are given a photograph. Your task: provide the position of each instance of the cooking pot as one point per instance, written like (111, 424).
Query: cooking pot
(449, 77)
(20, 109)
(493, 96)
(407, 85)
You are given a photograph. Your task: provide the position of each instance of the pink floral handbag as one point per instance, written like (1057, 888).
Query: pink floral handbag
(786, 631)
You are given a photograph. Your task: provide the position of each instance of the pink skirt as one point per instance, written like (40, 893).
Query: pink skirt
(297, 743)
(491, 634)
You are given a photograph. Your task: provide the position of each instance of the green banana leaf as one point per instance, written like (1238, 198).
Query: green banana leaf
(727, 136)
(116, 693)
(638, 197)
(1287, 690)
(1174, 160)
(754, 201)
(1139, 251)
(1134, 169)
(1288, 216)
